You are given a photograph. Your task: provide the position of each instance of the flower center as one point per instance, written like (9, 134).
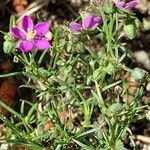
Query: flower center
(31, 34)
(114, 1)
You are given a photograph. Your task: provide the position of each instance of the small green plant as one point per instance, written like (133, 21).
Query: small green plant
(80, 102)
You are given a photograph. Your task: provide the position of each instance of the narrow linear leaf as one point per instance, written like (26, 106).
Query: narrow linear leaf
(11, 74)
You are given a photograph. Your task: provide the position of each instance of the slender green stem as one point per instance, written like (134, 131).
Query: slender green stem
(111, 85)
(101, 101)
(55, 59)
(11, 74)
(110, 36)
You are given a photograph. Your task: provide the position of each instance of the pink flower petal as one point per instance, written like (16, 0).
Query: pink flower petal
(42, 28)
(97, 20)
(18, 33)
(97, 1)
(41, 44)
(75, 27)
(120, 4)
(27, 23)
(131, 4)
(26, 46)
(88, 22)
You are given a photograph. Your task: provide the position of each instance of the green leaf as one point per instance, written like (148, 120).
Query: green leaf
(99, 98)
(59, 147)
(102, 37)
(85, 147)
(42, 57)
(89, 80)
(110, 69)
(26, 143)
(8, 46)
(109, 7)
(138, 73)
(130, 30)
(43, 72)
(87, 133)
(9, 124)
(116, 108)
(111, 85)
(96, 74)
(10, 74)
(120, 146)
(12, 22)
(30, 113)
(10, 109)
(30, 75)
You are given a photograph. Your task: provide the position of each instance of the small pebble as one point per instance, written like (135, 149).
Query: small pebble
(143, 58)
(148, 87)
(4, 147)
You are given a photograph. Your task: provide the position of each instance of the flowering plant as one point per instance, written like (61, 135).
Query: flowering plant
(30, 36)
(127, 5)
(89, 22)
(83, 97)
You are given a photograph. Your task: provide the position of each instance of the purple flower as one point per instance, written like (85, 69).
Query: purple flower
(31, 36)
(97, 1)
(127, 5)
(88, 23)
(75, 27)
(91, 21)
(131, 4)
(120, 4)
